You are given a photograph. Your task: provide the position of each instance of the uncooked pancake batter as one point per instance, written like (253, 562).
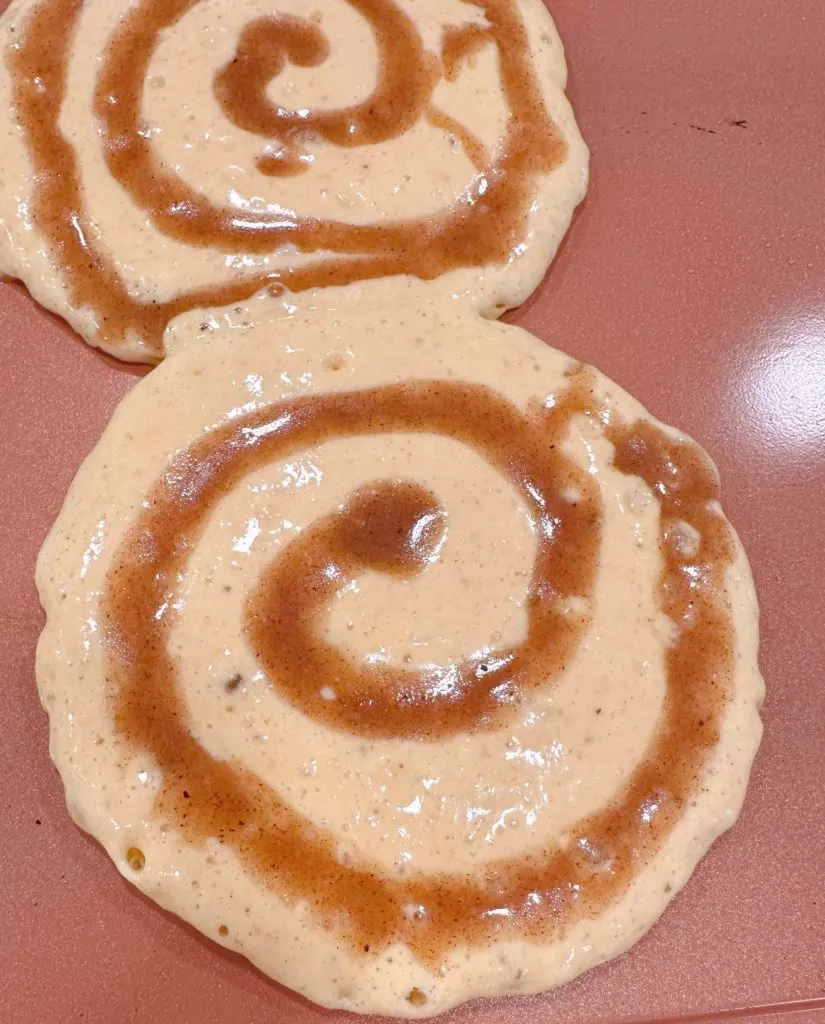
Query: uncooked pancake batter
(398, 652)
(163, 156)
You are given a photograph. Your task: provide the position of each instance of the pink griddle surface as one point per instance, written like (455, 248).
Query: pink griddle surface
(695, 276)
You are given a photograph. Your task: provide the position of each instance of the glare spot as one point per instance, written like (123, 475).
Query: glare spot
(244, 543)
(414, 807)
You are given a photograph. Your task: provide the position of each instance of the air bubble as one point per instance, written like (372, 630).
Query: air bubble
(136, 858)
(416, 997)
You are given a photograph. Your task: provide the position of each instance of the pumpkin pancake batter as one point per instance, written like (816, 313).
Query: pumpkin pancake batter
(398, 652)
(163, 156)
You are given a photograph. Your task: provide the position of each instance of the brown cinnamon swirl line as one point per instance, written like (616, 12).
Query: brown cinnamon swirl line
(481, 228)
(394, 527)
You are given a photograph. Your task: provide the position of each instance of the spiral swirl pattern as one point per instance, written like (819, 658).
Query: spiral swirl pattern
(488, 222)
(582, 463)
(390, 528)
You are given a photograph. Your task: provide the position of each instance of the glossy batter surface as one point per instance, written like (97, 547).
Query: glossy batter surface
(398, 652)
(165, 156)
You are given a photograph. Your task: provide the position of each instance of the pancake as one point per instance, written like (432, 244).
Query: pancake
(398, 652)
(164, 156)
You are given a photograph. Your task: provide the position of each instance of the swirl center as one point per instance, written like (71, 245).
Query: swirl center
(406, 77)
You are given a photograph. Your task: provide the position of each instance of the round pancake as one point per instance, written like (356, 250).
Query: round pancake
(163, 156)
(398, 652)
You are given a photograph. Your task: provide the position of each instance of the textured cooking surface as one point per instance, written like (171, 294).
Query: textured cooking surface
(695, 277)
